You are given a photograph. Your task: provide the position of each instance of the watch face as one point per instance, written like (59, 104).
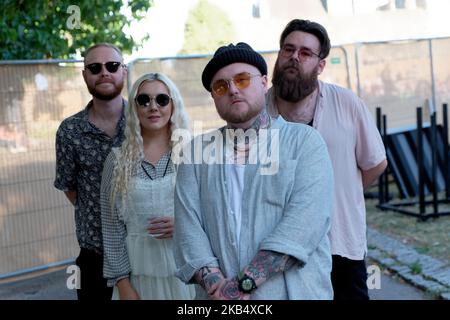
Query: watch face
(247, 284)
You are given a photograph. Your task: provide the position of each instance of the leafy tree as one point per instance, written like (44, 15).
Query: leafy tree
(58, 28)
(207, 28)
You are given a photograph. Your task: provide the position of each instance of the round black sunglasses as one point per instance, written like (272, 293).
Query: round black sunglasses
(144, 100)
(96, 68)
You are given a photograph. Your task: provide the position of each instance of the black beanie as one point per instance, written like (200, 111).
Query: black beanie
(229, 54)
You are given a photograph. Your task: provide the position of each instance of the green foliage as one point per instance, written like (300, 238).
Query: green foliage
(207, 28)
(415, 267)
(58, 28)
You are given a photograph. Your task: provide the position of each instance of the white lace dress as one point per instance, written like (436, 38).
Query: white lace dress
(152, 261)
(128, 247)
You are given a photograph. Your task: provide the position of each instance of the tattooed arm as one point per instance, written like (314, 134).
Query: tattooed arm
(217, 287)
(266, 264)
(209, 278)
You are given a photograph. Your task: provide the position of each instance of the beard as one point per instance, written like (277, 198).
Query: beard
(231, 116)
(107, 96)
(293, 88)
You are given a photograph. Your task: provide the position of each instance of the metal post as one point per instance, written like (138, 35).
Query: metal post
(419, 155)
(385, 173)
(446, 150)
(381, 200)
(434, 162)
(433, 84)
(347, 67)
(358, 82)
(129, 80)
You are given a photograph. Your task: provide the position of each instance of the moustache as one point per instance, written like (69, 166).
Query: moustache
(237, 97)
(236, 101)
(104, 81)
(291, 64)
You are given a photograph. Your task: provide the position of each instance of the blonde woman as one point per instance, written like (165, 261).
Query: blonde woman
(137, 196)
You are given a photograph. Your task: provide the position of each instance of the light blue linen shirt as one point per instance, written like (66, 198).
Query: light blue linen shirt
(287, 212)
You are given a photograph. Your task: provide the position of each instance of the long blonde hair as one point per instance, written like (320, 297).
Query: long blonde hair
(131, 153)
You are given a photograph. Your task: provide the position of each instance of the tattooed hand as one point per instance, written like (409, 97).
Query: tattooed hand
(209, 279)
(228, 290)
(217, 287)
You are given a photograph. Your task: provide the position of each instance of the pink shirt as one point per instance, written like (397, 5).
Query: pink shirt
(354, 144)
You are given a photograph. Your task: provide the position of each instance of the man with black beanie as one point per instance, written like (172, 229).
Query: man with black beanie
(242, 232)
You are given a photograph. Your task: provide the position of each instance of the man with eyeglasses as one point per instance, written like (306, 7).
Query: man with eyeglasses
(83, 142)
(354, 144)
(241, 233)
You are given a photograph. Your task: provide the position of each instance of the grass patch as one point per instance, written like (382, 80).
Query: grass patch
(416, 267)
(427, 237)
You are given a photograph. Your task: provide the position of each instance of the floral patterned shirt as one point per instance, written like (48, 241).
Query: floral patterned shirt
(81, 150)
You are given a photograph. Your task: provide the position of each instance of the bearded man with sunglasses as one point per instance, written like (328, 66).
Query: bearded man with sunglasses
(354, 143)
(83, 141)
(241, 233)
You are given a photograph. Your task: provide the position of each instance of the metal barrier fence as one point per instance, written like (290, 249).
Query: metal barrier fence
(36, 221)
(400, 76)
